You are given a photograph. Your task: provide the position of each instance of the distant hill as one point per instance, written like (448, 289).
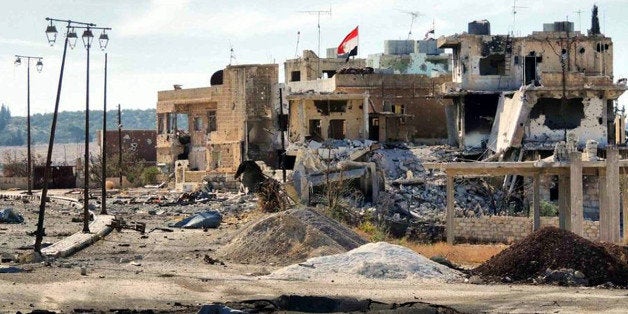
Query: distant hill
(70, 125)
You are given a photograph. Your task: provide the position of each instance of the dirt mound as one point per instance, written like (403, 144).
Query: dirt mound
(288, 237)
(553, 248)
(379, 260)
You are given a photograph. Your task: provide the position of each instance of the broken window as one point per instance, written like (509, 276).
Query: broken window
(295, 76)
(559, 116)
(400, 109)
(198, 123)
(494, 64)
(479, 114)
(329, 73)
(316, 132)
(211, 121)
(337, 129)
(324, 107)
(530, 69)
(161, 123)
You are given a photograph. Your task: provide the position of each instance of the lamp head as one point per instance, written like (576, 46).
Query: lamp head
(51, 34)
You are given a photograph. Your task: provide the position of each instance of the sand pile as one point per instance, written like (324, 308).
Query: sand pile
(556, 249)
(288, 237)
(371, 261)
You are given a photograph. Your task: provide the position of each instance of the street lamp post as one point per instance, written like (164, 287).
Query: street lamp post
(39, 65)
(51, 34)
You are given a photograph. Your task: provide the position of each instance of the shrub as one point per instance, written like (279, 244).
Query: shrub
(149, 175)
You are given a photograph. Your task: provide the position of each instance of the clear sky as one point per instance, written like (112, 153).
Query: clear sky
(155, 44)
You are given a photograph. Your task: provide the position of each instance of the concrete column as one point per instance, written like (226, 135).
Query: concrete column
(605, 217)
(612, 191)
(452, 134)
(563, 202)
(536, 202)
(365, 111)
(624, 204)
(450, 209)
(576, 193)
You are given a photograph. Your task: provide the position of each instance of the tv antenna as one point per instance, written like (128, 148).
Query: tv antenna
(318, 26)
(579, 12)
(514, 15)
(413, 16)
(232, 57)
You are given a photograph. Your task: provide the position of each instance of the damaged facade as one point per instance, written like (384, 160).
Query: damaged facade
(529, 92)
(213, 129)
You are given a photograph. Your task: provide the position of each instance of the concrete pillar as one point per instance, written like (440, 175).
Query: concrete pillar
(450, 209)
(576, 193)
(605, 217)
(612, 191)
(536, 202)
(452, 134)
(365, 116)
(563, 202)
(624, 204)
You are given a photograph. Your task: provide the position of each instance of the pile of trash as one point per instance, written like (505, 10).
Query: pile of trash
(556, 255)
(10, 216)
(380, 260)
(290, 236)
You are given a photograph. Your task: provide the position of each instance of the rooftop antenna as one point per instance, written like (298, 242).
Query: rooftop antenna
(579, 12)
(318, 26)
(413, 16)
(232, 57)
(514, 15)
(296, 50)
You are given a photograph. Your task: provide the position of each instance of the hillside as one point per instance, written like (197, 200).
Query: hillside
(70, 125)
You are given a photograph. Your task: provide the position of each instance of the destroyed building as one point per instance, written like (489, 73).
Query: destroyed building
(311, 67)
(529, 92)
(411, 57)
(213, 129)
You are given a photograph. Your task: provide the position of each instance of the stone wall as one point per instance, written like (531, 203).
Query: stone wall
(508, 229)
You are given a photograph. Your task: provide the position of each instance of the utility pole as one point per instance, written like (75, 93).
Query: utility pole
(282, 126)
(120, 144)
(318, 25)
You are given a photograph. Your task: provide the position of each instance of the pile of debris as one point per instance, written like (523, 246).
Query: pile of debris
(290, 236)
(371, 261)
(556, 255)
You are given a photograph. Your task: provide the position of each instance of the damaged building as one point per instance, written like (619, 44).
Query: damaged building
(529, 92)
(211, 130)
(411, 57)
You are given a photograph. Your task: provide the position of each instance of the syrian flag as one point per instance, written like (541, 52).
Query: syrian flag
(349, 45)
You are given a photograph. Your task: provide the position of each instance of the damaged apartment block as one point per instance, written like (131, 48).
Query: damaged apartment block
(211, 130)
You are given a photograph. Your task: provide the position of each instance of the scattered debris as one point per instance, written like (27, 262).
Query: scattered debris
(212, 261)
(207, 219)
(272, 196)
(379, 260)
(555, 249)
(12, 270)
(119, 224)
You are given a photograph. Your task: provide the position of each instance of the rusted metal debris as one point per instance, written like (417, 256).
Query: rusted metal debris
(120, 224)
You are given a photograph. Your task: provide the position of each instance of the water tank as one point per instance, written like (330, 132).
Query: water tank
(480, 27)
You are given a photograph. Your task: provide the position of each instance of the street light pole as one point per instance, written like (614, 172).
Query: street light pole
(103, 207)
(87, 37)
(29, 161)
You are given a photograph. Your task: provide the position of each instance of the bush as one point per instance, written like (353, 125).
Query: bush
(548, 209)
(149, 175)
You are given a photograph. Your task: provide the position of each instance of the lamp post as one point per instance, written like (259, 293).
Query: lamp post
(39, 66)
(88, 38)
(51, 35)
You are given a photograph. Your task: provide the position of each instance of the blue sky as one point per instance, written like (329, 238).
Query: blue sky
(155, 44)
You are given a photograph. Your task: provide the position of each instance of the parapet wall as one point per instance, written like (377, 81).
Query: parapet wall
(508, 229)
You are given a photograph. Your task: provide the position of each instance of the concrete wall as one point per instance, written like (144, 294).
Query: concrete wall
(13, 183)
(302, 111)
(509, 229)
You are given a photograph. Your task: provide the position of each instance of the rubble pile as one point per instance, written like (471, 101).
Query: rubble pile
(380, 260)
(417, 197)
(556, 255)
(290, 236)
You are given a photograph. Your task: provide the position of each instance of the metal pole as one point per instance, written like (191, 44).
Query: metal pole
(28, 126)
(120, 144)
(86, 162)
(44, 191)
(103, 207)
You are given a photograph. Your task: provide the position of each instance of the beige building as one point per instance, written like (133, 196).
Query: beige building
(215, 128)
(531, 91)
(310, 67)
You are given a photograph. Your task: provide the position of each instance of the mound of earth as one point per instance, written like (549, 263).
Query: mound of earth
(553, 248)
(379, 260)
(288, 237)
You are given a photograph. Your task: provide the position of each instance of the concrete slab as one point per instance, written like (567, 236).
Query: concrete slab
(99, 228)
